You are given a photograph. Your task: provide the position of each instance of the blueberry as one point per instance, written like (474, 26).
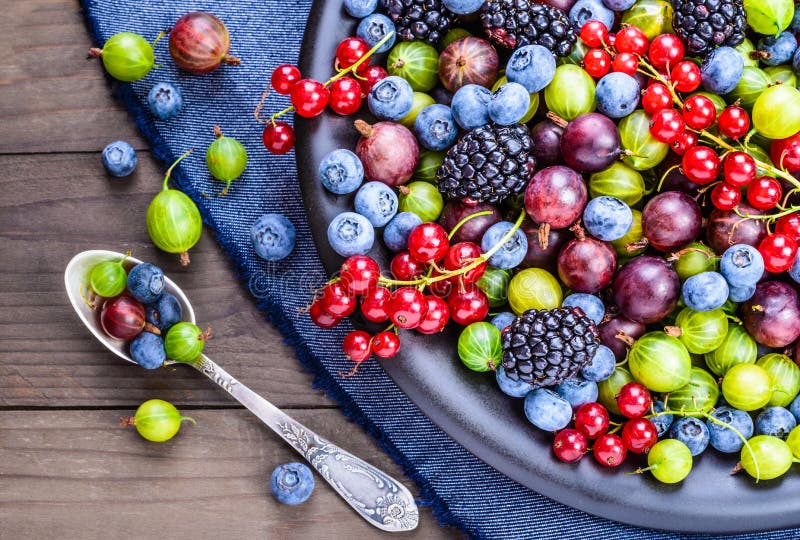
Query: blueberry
(509, 104)
(741, 294)
(619, 5)
(794, 408)
(119, 158)
(436, 128)
(360, 8)
(796, 60)
(395, 235)
(513, 251)
(779, 49)
(617, 95)
(503, 320)
(795, 24)
(377, 202)
(775, 421)
(547, 410)
(741, 265)
(341, 172)
(532, 66)
(724, 439)
(590, 10)
(273, 237)
(578, 391)
(374, 28)
(721, 70)
(470, 106)
(662, 421)
(794, 271)
(147, 350)
(602, 365)
(463, 7)
(705, 291)
(292, 483)
(518, 388)
(607, 218)
(391, 98)
(146, 282)
(351, 234)
(591, 305)
(164, 312)
(165, 101)
(691, 432)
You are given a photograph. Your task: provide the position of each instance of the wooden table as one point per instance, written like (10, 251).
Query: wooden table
(67, 469)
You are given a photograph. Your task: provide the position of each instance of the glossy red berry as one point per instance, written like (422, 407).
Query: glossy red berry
(625, 63)
(631, 39)
(337, 300)
(569, 445)
(442, 287)
(386, 344)
(764, 193)
(739, 168)
(779, 252)
(594, 33)
(278, 137)
(407, 307)
(284, 78)
(701, 165)
(346, 96)
(464, 254)
(592, 420)
(789, 225)
(686, 76)
(350, 50)
(357, 345)
(656, 98)
(597, 63)
(733, 122)
(404, 267)
(375, 304)
(371, 75)
(309, 97)
(665, 51)
(639, 435)
(428, 242)
(359, 273)
(436, 318)
(666, 125)
(685, 140)
(468, 304)
(609, 451)
(320, 317)
(634, 400)
(725, 196)
(699, 112)
(785, 153)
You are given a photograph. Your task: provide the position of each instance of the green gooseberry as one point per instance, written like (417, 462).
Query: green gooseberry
(644, 151)
(494, 283)
(108, 279)
(226, 159)
(570, 93)
(173, 220)
(416, 62)
(776, 113)
(785, 376)
(781, 75)
(534, 288)
(479, 347)
(454, 34)
(793, 440)
(632, 238)
(422, 199)
(185, 341)
(660, 362)
(744, 49)
(697, 396)
(752, 84)
(127, 56)
(608, 389)
(738, 347)
(669, 461)
(156, 420)
(532, 108)
(747, 387)
(429, 162)
(769, 17)
(653, 17)
(694, 259)
(618, 181)
(419, 102)
(700, 331)
(765, 457)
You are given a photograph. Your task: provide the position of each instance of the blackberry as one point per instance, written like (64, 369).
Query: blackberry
(706, 24)
(487, 164)
(546, 347)
(516, 23)
(421, 20)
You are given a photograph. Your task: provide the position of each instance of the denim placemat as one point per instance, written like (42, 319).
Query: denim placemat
(462, 490)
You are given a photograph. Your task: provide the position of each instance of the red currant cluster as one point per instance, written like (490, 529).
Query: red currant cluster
(342, 93)
(592, 422)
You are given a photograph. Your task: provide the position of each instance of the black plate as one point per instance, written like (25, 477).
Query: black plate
(470, 408)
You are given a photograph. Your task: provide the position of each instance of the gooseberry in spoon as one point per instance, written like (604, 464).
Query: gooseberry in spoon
(108, 278)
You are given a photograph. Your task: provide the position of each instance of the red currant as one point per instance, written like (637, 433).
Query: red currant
(407, 307)
(639, 435)
(436, 318)
(346, 96)
(625, 63)
(700, 164)
(597, 63)
(337, 300)
(320, 318)
(386, 344)
(371, 75)
(665, 50)
(592, 420)
(686, 76)
(569, 445)
(656, 98)
(699, 112)
(278, 137)
(764, 193)
(785, 153)
(468, 304)
(789, 225)
(634, 400)
(609, 451)
(428, 242)
(725, 196)
(779, 252)
(357, 345)
(350, 50)
(594, 33)
(666, 125)
(631, 40)
(405, 267)
(284, 78)
(309, 97)
(733, 122)
(739, 168)
(685, 140)
(461, 255)
(375, 304)
(360, 273)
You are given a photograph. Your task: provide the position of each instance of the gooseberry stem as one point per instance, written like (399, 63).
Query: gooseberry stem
(169, 171)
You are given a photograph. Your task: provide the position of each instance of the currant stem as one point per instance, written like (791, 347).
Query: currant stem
(169, 171)
(465, 220)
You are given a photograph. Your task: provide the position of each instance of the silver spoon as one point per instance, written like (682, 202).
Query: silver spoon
(377, 497)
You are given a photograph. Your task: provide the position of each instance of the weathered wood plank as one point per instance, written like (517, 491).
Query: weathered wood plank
(80, 474)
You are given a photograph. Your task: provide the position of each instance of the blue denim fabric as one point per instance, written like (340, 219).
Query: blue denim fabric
(462, 490)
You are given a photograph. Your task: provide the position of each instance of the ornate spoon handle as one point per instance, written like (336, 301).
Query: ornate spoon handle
(377, 497)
